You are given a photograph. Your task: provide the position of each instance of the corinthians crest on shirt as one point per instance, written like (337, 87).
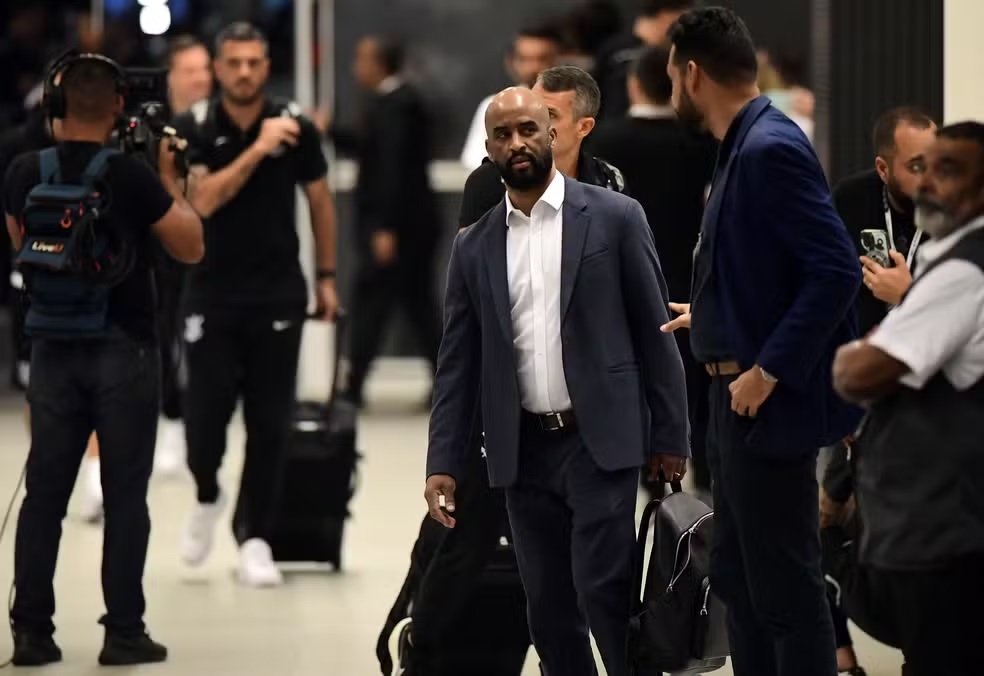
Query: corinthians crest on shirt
(194, 328)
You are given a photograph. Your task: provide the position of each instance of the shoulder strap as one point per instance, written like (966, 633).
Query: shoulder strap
(50, 166)
(97, 165)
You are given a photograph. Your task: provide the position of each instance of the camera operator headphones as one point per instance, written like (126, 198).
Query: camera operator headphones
(53, 95)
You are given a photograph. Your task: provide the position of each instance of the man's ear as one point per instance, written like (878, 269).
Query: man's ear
(881, 166)
(552, 132)
(584, 126)
(692, 78)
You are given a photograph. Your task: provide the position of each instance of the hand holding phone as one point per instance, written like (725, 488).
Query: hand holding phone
(876, 246)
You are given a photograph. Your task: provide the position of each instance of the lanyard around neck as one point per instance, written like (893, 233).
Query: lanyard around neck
(891, 232)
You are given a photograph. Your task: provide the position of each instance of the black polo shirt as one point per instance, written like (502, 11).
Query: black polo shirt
(251, 244)
(138, 202)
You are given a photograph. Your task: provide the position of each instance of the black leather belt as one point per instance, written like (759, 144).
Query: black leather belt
(553, 421)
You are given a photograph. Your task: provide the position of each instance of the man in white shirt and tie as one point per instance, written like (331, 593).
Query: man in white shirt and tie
(553, 310)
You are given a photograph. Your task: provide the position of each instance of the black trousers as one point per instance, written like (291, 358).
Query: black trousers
(938, 616)
(377, 292)
(250, 352)
(170, 277)
(766, 560)
(574, 528)
(111, 387)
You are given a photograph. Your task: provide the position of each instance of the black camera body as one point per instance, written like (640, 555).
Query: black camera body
(144, 124)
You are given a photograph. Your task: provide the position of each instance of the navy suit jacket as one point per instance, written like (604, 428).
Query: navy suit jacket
(624, 376)
(787, 274)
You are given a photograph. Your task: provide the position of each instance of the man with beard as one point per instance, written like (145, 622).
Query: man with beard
(775, 277)
(877, 199)
(553, 310)
(246, 303)
(920, 467)
(453, 562)
(573, 99)
(881, 199)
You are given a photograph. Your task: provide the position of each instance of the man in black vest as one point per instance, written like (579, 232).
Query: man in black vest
(880, 198)
(920, 467)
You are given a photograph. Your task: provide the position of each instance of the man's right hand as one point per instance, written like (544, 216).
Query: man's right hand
(277, 131)
(441, 486)
(681, 322)
(384, 247)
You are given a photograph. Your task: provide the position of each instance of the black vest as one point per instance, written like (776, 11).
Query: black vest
(920, 465)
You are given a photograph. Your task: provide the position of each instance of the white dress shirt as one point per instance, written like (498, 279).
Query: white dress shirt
(474, 151)
(533, 253)
(939, 326)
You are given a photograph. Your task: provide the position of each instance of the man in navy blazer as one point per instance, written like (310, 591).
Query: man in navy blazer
(554, 304)
(775, 276)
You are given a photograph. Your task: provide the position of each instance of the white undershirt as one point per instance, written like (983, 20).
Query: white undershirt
(533, 255)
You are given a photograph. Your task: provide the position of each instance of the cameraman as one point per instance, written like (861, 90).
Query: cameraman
(109, 384)
(246, 304)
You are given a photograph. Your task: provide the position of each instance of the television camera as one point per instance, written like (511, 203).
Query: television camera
(144, 124)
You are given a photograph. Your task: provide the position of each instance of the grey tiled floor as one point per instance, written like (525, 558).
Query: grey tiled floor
(318, 624)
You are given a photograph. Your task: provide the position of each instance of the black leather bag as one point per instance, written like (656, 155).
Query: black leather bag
(677, 624)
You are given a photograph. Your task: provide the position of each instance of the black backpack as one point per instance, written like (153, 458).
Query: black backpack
(677, 623)
(70, 258)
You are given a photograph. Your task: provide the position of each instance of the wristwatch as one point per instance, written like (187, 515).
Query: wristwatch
(325, 274)
(768, 377)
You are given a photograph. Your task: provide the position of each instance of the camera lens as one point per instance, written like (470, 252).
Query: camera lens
(867, 240)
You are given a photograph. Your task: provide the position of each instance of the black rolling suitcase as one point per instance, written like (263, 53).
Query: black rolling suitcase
(318, 478)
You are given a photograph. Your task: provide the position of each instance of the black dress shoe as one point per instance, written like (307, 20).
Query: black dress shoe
(129, 650)
(34, 650)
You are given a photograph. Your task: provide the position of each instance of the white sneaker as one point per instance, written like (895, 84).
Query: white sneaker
(169, 460)
(256, 565)
(92, 495)
(198, 538)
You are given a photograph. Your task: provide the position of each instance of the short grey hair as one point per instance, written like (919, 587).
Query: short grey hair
(587, 95)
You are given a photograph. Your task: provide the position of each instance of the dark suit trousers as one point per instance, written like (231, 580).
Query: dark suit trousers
(378, 291)
(766, 560)
(574, 529)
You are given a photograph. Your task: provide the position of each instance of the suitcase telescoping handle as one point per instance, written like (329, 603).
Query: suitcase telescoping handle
(341, 326)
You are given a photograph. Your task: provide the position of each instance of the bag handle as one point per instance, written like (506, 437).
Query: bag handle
(640, 554)
(341, 326)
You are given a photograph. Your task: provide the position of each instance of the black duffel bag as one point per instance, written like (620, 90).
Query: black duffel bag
(677, 623)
